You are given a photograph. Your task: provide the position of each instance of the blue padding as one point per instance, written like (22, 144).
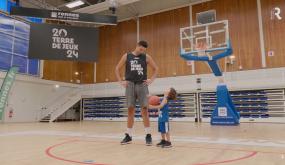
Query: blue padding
(35, 20)
(224, 101)
(215, 68)
(226, 53)
(3, 5)
(191, 57)
(9, 5)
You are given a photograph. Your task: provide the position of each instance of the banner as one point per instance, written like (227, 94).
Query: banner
(5, 88)
(61, 42)
(64, 15)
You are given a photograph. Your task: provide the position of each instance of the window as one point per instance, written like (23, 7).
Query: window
(14, 44)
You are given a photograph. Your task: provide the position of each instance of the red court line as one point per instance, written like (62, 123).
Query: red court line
(229, 161)
(252, 153)
(49, 153)
(201, 147)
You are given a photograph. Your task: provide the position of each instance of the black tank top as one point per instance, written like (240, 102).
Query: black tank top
(136, 68)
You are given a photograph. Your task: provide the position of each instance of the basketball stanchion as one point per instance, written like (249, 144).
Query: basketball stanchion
(210, 43)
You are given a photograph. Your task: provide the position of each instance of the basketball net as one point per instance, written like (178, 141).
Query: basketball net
(201, 48)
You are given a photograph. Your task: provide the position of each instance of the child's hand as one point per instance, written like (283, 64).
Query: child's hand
(166, 94)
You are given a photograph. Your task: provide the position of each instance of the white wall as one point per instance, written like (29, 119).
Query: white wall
(29, 94)
(253, 79)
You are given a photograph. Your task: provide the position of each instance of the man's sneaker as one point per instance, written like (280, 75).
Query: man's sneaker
(160, 143)
(148, 140)
(126, 140)
(167, 144)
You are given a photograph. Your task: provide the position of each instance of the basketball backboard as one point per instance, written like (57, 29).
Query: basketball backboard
(207, 38)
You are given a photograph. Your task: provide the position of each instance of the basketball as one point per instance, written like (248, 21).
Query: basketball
(154, 100)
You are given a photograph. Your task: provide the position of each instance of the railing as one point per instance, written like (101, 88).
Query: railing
(65, 105)
(59, 102)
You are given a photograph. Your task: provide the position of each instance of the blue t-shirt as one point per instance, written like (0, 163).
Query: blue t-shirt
(164, 113)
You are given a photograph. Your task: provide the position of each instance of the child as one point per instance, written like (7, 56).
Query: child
(163, 118)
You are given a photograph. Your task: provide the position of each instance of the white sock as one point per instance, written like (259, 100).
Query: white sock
(147, 130)
(130, 131)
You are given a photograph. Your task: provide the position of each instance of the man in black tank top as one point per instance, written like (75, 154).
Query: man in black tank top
(136, 85)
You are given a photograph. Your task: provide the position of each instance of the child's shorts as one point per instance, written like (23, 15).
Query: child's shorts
(163, 127)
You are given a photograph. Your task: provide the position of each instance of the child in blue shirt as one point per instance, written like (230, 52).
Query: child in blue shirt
(163, 118)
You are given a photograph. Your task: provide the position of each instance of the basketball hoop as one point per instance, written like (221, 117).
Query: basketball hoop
(205, 40)
(201, 48)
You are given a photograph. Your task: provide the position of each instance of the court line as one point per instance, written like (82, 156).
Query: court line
(209, 148)
(252, 154)
(49, 153)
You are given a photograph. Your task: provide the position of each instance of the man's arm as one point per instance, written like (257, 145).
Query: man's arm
(121, 63)
(154, 67)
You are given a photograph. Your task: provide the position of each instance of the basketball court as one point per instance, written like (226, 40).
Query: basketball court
(98, 143)
(142, 82)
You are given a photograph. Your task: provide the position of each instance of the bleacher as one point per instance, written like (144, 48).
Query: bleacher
(115, 108)
(251, 104)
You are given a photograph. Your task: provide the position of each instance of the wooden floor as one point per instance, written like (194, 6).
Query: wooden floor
(98, 143)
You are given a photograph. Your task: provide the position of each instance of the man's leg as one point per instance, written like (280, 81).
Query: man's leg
(130, 96)
(145, 117)
(141, 90)
(130, 123)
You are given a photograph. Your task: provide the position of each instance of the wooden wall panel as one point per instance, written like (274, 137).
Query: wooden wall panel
(274, 32)
(86, 70)
(114, 42)
(161, 31)
(64, 71)
(244, 32)
(59, 70)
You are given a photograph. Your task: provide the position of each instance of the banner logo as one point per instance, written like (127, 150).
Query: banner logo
(61, 41)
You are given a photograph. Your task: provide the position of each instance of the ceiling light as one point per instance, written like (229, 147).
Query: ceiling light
(74, 4)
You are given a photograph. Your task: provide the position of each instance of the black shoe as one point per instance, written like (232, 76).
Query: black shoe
(126, 140)
(167, 144)
(148, 140)
(160, 143)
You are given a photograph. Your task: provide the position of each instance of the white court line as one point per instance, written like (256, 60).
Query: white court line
(209, 140)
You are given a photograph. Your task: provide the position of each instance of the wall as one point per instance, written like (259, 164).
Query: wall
(161, 30)
(241, 80)
(274, 32)
(243, 28)
(64, 71)
(28, 95)
(114, 42)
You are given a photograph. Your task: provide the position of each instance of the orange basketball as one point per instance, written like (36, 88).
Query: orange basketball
(154, 100)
